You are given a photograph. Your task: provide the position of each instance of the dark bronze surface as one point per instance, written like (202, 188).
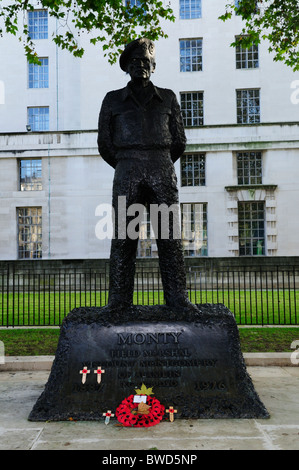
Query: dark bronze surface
(194, 364)
(141, 135)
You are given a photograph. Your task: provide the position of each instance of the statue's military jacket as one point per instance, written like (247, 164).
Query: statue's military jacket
(126, 126)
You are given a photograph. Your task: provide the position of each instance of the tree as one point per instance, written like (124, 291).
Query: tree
(116, 22)
(112, 23)
(274, 20)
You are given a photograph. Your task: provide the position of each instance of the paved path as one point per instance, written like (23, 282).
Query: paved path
(278, 388)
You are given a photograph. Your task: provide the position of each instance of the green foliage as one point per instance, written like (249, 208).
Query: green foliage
(276, 21)
(112, 23)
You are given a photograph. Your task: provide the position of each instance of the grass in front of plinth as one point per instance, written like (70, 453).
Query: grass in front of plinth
(40, 342)
(273, 307)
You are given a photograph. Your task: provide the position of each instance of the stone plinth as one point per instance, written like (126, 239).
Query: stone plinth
(192, 360)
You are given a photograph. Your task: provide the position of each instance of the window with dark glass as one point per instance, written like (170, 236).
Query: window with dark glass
(251, 219)
(247, 58)
(29, 232)
(192, 108)
(194, 229)
(249, 167)
(193, 169)
(248, 106)
(146, 237)
(257, 6)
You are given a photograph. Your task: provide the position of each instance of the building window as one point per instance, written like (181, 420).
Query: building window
(38, 24)
(256, 11)
(192, 108)
(130, 4)
(146, 245)
(38, 118)
(134, 3)
(249, 167)
(190, 55)
(30, 175)
(29, 232)
(193, 169)
(247, 58)
(190, 9)
(236, 6)
(194, 229)
(251, 218)
(193, 232)
(38, 75)
(248, 106)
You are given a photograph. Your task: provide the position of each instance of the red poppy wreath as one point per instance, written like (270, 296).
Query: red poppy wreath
(140, 414)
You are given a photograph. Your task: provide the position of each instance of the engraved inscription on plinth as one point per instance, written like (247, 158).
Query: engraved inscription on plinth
(177, 363)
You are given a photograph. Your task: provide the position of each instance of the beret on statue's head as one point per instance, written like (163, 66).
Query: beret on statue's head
(143, 44)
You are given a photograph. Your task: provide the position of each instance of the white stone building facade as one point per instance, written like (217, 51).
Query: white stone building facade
(238, 180)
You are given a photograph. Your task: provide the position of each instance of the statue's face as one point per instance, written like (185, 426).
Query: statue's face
(140, 65)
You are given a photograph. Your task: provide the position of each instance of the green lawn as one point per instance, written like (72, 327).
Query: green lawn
(249, 307)
(35, 341)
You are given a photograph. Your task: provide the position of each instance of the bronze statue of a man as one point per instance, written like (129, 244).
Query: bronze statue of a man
(141, 135)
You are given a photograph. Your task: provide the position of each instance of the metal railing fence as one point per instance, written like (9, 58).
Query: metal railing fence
(256, 296)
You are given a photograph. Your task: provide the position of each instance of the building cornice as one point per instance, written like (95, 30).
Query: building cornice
(266, 187)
